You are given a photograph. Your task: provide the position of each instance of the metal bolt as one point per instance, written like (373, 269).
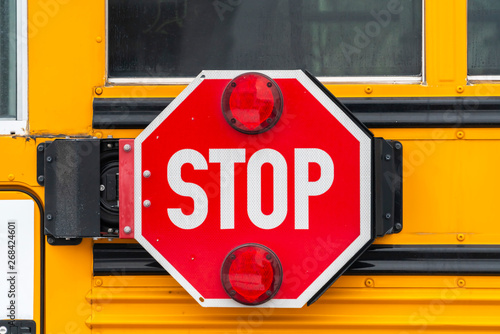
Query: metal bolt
(387, 157)
(369, 282)
(127, 147)
(398, 146)
(49, 217)
(3, 330)
(50, 240)
(40, 178)
(109, 145)
(147, 203)
(102, 187)
(388, 215)
(398, 226)
(40, 149)
(49, 159)
(127, 229)
(146, 174)
(110, 230)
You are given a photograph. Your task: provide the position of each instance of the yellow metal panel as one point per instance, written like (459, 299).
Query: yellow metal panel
(392, 305)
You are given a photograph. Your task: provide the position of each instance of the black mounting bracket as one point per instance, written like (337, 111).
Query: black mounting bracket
(80, 177)
(388, 164)
(18, 326)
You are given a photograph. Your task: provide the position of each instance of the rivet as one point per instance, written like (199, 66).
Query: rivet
(147, 203)
(460, 282)
(110, 230)
(368, 90)
(50, 240)
(127, 229)
(98, 282)
(398, 146)
(127, 147)
(98, 308)
(98, 39)
(369, 282)
(460, 134)
(388, 215)
(98, 90)
(146, 174)
(41, 178)
(49, 216)
(460, 89)
(11, 177)
(460, 237)
(49, 159)
(387, 157)
(398, 226)
(40, 148)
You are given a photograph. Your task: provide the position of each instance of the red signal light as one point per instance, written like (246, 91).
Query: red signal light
(252, 103)
(251, 274)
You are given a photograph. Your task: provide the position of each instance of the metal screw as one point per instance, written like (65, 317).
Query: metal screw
(232, 256)
(127, 147)
(387, 216)
(40, 178)
(127, 229)
(109, 145)
(398, 226)
(49, 159)
(387, 157)
(49, 217)
(50, 240)
(102, 187)
(398, 146)
(269, 84)
(146, 174)
(268, 256)
(233, 84)
(110, 230)
(147, 203)
(40, 149)
(233, 120)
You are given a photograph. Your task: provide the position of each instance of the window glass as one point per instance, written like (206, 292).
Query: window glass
(179, 38)
(483, 37)
(8, 71)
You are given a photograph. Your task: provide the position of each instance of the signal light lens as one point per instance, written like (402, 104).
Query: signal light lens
(251, 274)
(252, 103)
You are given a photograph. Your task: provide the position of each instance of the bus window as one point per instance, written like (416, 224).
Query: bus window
(8, 71)
(483, 38)
(342, 38)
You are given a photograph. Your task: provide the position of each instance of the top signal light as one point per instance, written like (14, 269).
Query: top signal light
(252, 103)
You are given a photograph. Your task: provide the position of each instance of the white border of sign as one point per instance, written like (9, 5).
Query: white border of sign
(365, 188)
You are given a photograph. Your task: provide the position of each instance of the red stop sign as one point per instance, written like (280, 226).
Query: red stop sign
(301, 189)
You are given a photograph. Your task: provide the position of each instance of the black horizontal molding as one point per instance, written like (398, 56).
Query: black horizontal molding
(137, 113)
(470, 260)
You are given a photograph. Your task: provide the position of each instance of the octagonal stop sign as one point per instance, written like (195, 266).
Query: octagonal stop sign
(287, 169)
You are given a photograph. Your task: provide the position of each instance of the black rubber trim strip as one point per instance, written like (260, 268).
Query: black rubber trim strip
(42, 250)
(450, 112)
(466, 260)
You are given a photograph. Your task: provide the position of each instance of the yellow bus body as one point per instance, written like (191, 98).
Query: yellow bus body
(450, 178)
